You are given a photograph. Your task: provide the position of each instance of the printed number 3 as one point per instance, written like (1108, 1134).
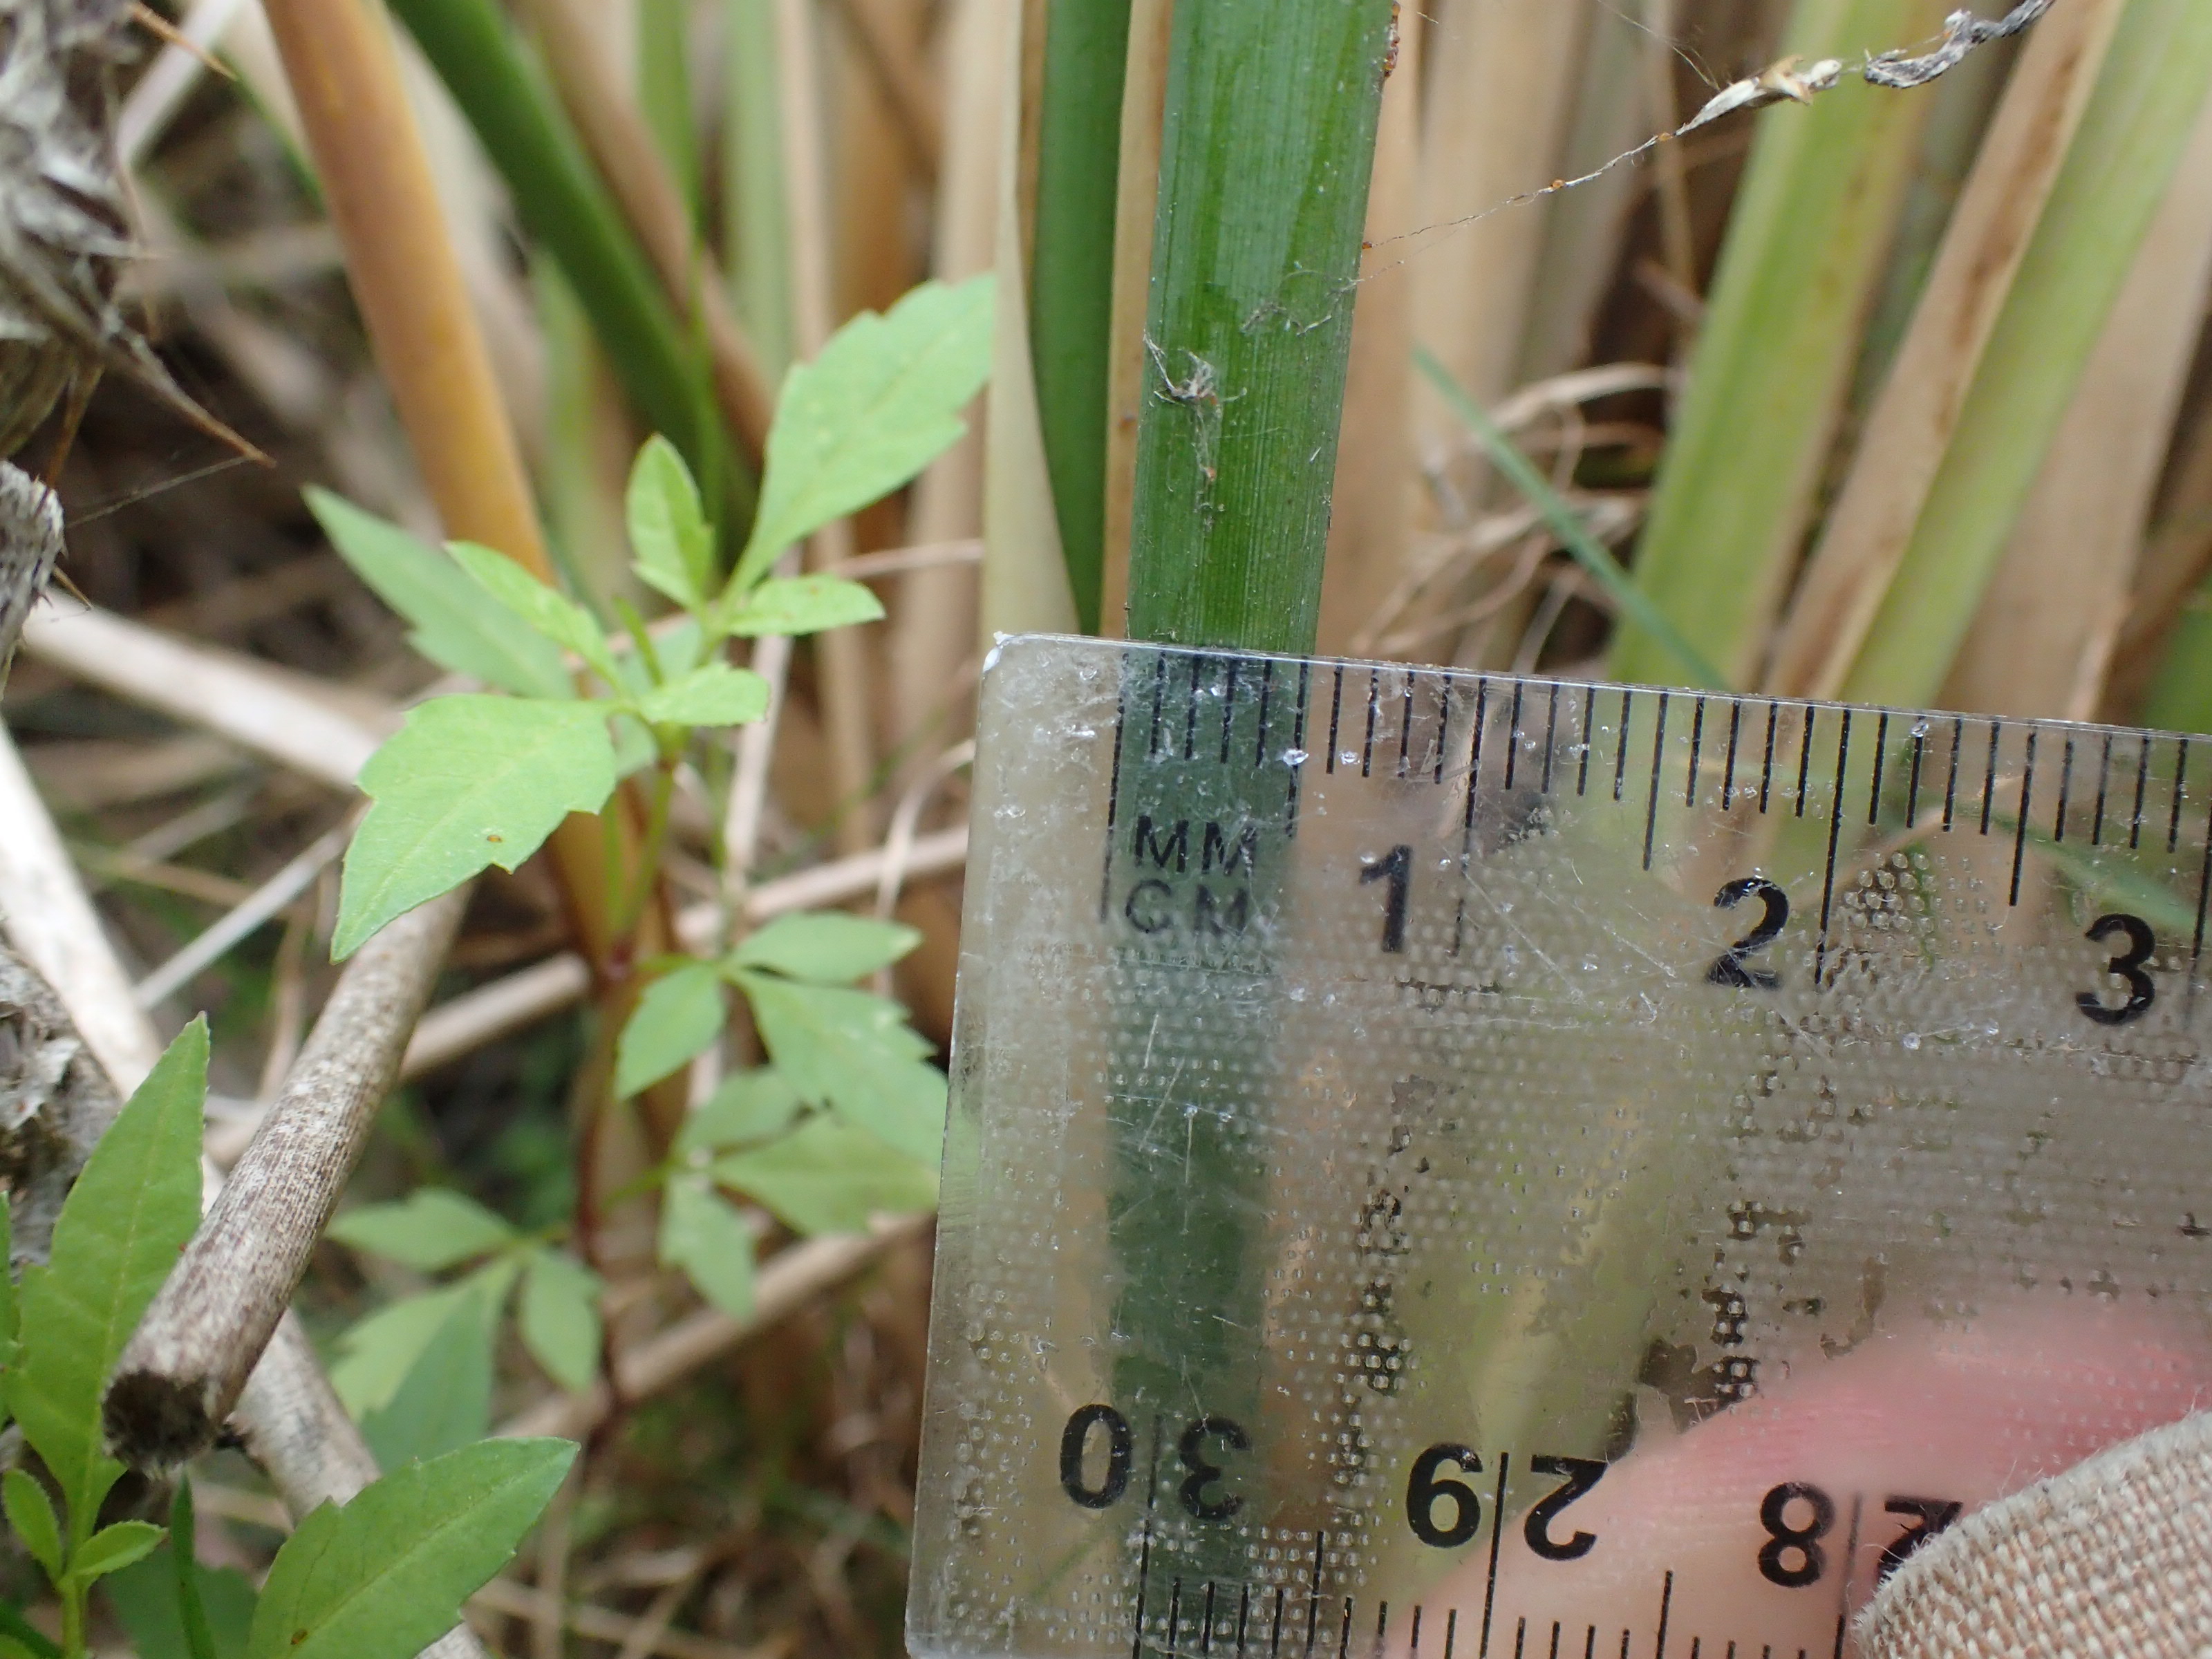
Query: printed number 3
(2141, 991)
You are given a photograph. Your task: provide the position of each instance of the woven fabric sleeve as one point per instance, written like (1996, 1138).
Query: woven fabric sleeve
(2110, 1560)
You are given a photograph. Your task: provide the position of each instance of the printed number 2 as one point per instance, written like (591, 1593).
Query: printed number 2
(1397, 868)
(2142, 942)
(1729, 969)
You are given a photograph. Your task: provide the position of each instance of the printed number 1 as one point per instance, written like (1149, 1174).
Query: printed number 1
(1397, 868)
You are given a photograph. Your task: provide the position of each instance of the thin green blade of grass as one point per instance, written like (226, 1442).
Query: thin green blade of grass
(2140, 119)
(1086, 56)
(754, 216)
(1592, 555)
(1269, 139)
(1803, 262)
(564, 206)
(663, 90)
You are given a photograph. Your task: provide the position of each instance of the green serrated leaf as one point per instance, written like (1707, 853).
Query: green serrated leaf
(713, 695)
(826, 947)
(468, 783)
(856, 1054)
(377, 1352)
(31, 1517)
(555, 616)
(561, 1317)
(112, 1548)
(452, 624)
(445, 1399)
(147, 1603)
(710, 1241)
(750, 1106)
(668, 528)
(133, 1208)
(805, 604)
(387, 1575)
(431, 1229)
(678, 1017)
(879, 404)
(827, 1176)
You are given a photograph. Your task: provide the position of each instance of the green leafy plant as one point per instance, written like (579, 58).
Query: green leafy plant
(476, 780)
(846, 1119)
(377, 1578)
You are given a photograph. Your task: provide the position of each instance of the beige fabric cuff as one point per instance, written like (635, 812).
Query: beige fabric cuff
(2110, 1560)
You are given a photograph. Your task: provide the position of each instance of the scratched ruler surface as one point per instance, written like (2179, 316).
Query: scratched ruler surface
(1458, 1166)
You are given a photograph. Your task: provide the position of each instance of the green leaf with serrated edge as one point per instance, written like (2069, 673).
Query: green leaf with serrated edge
(31, 1517)
(668, 530)
(826, 947)
(710, 1241)
(134, 1206)
(880, 403)
(561, 1317)
(805, 604)
(385, 1575)
(750, 1106)
(555, 616)
(827, 1176)
(856, 1054)
(468, 783)
(376, 1352)
(146, 1603)
(445, 1399)
(714, 695)
(452, 624)
(432, 1228)
(112, 1548)
(678, 1017)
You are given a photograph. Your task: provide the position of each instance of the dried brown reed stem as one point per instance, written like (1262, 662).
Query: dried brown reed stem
(377, 182)
(840, 655)
(637, 173)
(182, 1371)
(912, 101)
(1909, 431)
(2043, 641)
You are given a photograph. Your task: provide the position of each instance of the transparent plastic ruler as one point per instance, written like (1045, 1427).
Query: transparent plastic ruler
(1466, 1167)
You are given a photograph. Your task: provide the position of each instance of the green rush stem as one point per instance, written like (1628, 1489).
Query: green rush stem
(1071, 280)
(1268, 145)
(1266, 150)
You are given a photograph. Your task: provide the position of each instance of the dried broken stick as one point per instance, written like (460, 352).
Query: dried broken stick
(184, 1368)
(55, 1102)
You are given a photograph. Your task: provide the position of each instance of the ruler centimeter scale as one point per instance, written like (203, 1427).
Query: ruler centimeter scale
(1470, 1165)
